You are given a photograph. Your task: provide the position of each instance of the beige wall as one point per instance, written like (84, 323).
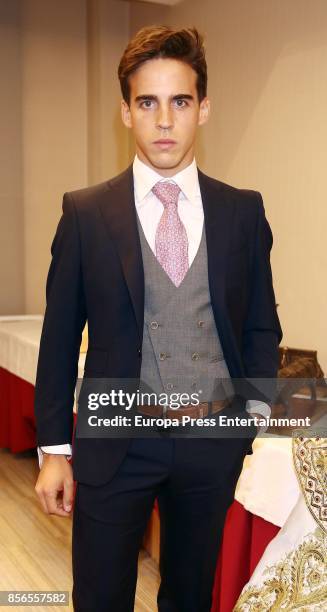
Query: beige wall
(54, 112)
(60, 127)
(11, 200)
(267, 63)
(267, 60)
(108, 33)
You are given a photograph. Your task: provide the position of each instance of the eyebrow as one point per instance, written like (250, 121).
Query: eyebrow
(155, 98)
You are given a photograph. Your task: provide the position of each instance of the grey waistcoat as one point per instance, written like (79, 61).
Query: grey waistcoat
(181, 350)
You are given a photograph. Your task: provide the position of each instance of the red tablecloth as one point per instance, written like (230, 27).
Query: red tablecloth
(17, 424)
(245, 538)
(245, 535)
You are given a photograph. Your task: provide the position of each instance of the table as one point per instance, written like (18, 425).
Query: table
(19, 348)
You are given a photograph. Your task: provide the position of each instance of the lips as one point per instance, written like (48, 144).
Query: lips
(164, 143)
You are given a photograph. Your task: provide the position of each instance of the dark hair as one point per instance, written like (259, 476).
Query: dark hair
(153, 42)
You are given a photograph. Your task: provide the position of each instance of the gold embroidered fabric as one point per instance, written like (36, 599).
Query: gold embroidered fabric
(298, 582)
(310, 461)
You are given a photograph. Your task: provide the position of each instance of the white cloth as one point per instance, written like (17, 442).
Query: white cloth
(268, 486)
(19, 346)
(299, 522)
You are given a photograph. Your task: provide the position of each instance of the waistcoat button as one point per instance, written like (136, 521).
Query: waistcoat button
(195, 356)
(170, 386)
(154, 325)
(162, 356)
(200, 323)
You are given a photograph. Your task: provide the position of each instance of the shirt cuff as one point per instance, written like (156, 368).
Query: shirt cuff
(56, 449)
(257, 407)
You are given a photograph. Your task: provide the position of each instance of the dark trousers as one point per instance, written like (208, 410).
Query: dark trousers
(194, 480)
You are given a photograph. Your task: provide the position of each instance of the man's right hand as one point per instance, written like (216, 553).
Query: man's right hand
(55, 485)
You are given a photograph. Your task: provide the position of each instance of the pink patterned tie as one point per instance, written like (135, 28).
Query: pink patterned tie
(171, 242)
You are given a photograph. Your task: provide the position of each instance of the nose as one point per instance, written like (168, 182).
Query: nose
(164, 117)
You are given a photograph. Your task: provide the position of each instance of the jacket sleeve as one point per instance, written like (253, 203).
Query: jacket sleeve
(262, 332)
(64, 320)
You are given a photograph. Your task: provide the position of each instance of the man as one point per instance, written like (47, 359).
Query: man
(171, 269)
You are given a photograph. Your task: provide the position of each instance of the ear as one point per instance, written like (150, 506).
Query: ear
(204, 111)
(126, 114)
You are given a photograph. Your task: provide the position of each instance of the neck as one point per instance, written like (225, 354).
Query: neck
(166, 172)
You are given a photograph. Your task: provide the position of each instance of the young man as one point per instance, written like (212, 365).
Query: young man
(171, 269)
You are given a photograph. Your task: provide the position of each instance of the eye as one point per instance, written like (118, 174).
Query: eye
(146, 103)
(180, 103)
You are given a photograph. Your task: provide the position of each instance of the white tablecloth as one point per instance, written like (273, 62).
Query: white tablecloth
(268, 486)
(19, 346)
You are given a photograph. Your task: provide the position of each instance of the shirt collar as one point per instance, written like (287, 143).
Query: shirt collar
(145, 178)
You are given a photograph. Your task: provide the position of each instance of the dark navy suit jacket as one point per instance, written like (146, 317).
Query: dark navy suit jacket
(96, 274)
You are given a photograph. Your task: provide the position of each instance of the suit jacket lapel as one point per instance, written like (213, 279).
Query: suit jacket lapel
(120, 217)
(219, 214)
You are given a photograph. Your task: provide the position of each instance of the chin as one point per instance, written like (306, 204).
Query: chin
(164, 161)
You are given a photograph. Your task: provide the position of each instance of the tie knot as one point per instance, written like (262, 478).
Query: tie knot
(166, 192)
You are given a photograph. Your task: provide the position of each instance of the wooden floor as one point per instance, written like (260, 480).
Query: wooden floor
(35, 548)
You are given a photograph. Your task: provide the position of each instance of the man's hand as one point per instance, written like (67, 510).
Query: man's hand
(55, 485)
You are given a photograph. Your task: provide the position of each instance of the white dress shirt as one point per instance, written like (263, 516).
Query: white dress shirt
(149, 210)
